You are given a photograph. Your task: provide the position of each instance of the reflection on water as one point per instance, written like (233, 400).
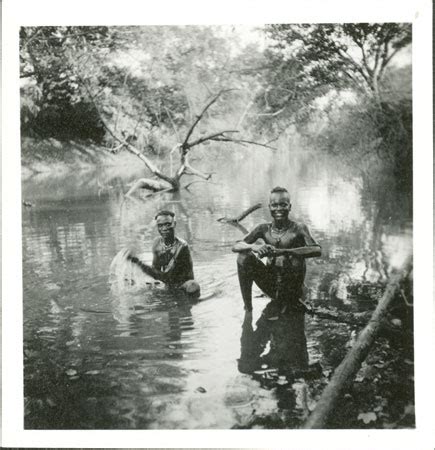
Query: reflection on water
(285, 338)
(144, 358)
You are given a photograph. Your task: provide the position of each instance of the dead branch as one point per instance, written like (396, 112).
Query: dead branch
(187, 186)
(162, 191)
(189, 170)
(242, 141)
(242, 215)
(239, 226)
(209, 137)
(148, 183)
(116, 149)
(347, 370)
(201, 114)
(270, 114)
(172, 182)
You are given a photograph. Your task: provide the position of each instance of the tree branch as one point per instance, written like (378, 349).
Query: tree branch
(242, 141)
(189, 170)
(127, 145)
(198, 181)
(201, 114)
(270, 114)
(387, 60)
(358, 68)
(147, 183)
(360, 44)
(350, 365)
(242, 215)
(209, 137)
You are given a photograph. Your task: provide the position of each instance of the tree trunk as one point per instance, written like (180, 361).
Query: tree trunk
(347, 370)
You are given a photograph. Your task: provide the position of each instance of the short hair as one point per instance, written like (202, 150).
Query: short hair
(278, 189)
(164, 212)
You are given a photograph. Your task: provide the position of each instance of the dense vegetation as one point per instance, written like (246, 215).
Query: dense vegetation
(336, 86)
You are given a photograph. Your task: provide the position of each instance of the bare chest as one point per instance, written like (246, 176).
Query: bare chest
(289, 238)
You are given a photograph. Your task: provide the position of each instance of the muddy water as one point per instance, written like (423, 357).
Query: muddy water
(142, 358)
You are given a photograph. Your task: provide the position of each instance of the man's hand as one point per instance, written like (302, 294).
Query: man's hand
(128, 255)
(264, 250)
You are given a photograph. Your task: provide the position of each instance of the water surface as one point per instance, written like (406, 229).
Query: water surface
(95, 358)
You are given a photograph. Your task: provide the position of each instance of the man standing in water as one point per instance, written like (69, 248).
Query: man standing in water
(172, 262)
(286, 244)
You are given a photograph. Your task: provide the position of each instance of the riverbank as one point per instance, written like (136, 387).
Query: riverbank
(53, 157)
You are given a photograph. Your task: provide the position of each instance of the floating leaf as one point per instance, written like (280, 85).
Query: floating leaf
(367, 417)
(71, 372)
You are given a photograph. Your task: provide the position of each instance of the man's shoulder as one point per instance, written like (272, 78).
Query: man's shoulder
(262, 227)
(298, 226)
(182, 242)
(156, 242)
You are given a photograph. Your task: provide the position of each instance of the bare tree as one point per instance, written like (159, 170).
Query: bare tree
(162, 181)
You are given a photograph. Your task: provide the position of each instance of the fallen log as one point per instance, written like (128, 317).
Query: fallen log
(348, 368)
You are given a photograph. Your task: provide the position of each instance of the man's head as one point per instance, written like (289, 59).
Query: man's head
(279, 203)
(166, 224)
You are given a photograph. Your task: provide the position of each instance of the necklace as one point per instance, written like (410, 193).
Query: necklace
(167, 247)
(279, 231)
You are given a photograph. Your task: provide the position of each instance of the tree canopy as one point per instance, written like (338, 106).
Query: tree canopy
(355, 55)
(149, 83)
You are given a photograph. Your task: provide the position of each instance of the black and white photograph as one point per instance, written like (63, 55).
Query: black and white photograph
(217, 226)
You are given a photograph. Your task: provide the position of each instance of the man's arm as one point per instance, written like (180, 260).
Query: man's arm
(248, 243)
(153, 270)
(149, 270)
(310, 251)
(186, 262)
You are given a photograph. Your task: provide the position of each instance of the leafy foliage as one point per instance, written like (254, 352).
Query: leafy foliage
(147, 80)
(49, 56)
(335, 85)
(331, 83)
(341, 55)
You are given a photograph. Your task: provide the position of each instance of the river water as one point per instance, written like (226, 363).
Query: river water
(100, 358)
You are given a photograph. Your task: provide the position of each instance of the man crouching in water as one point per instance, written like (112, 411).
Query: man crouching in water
(172, 263)
(286, 244)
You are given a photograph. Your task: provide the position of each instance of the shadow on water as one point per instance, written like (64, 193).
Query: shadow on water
(279, 344)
